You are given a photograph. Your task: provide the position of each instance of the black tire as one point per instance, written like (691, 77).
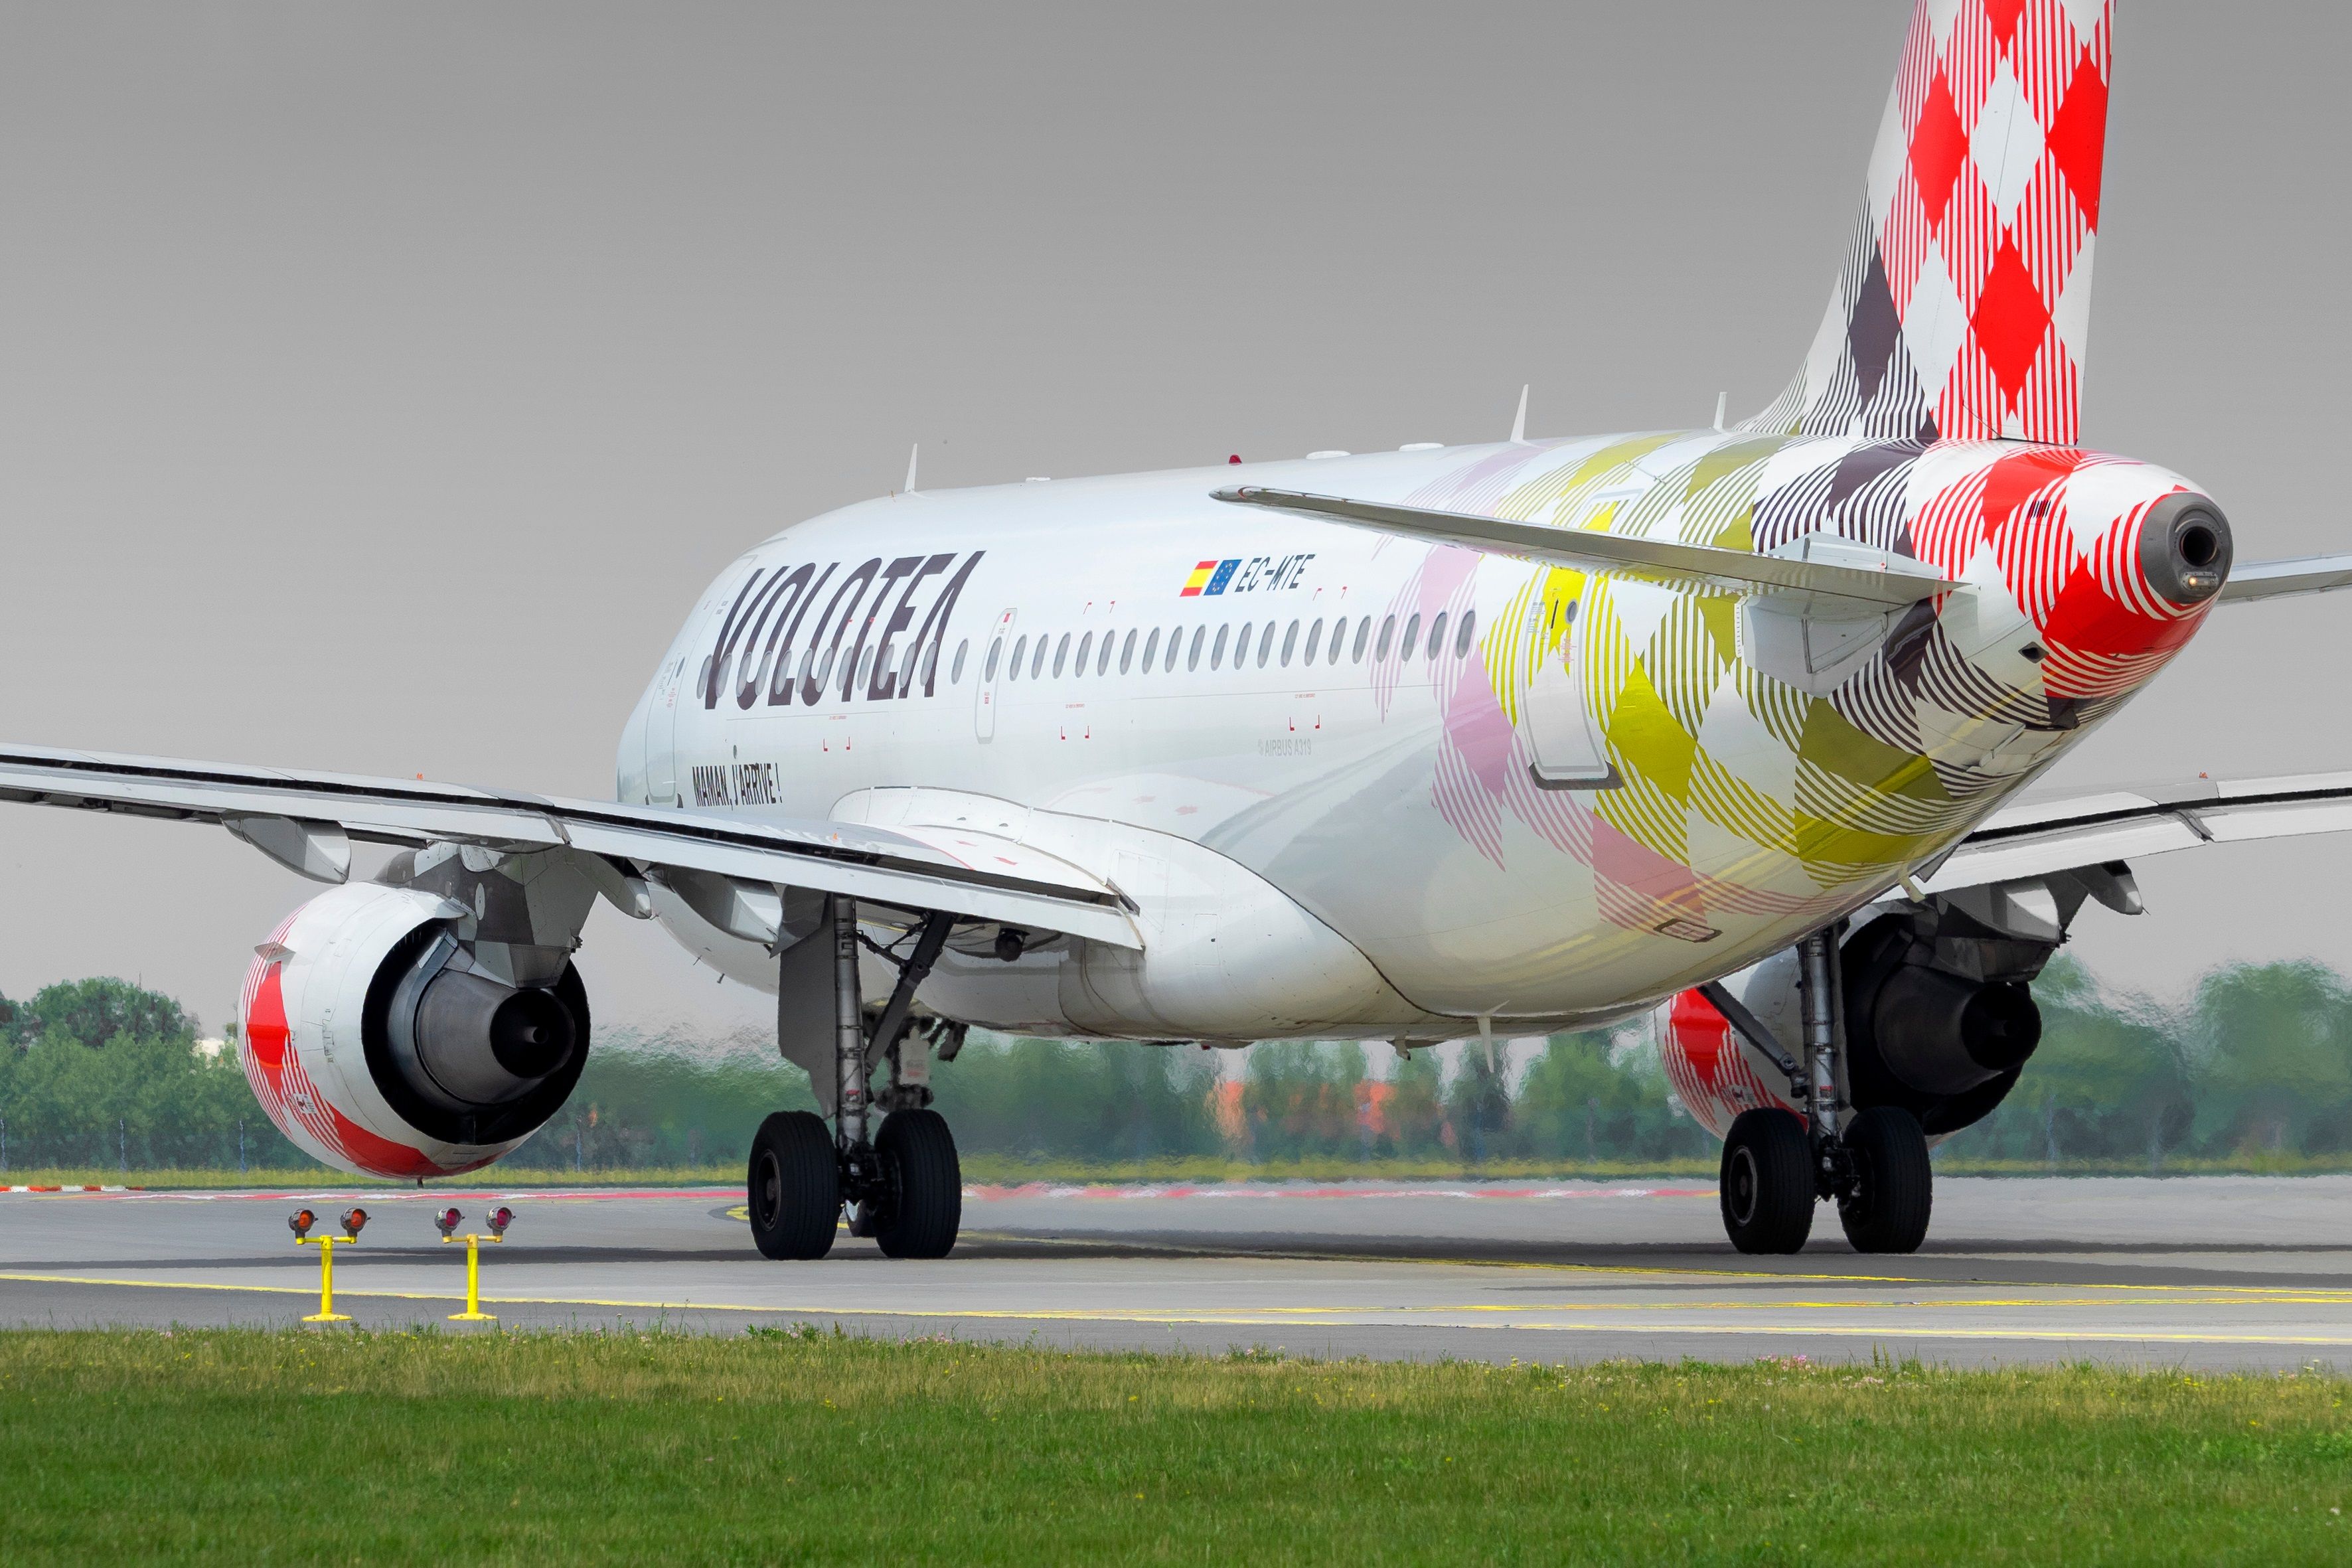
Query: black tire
(793, 1187)
(1894, 1184)
(921, 1206)
(1766, 1185)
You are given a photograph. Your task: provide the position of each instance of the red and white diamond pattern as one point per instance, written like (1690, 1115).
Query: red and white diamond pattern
(1964, 309)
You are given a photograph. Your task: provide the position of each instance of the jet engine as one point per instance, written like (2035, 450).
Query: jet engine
(381, 1042)
(1939, 1018)
(1939, 1015)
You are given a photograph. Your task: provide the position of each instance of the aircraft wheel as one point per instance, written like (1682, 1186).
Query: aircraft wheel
(920, 1207)
(793, 1187)
(1768, 1181)
(1894, 1184)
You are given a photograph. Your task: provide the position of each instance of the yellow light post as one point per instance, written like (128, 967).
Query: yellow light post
(448, 1220)
(299, 1223)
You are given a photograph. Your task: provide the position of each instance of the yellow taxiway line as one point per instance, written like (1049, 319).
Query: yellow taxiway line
(1295, 1317)
(1637, 1269)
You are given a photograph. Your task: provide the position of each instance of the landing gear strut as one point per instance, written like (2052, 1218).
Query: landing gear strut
(1776, 1166)
(905, 1185)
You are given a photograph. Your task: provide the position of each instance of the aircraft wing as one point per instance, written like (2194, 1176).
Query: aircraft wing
(306, 822)
(1881, 582)
(2040, 837)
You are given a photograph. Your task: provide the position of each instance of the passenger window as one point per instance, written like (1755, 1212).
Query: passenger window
(1411, 636)
(1151, 652)
(955, 670)
(1462, 637)
(1388, 634)
(1062, 654)
(1102, 659)
(1018, 649)
(1216, 653)
(1037, 660)
(995, 657)
(1241, 644)
(1085, 645)
(824, 670)
(1194, 661)
(1364, 630)
(1175, 637)
(1437, 634)
(1126, 651)
(1314, 638)
(1289, 642)
(1265, 645)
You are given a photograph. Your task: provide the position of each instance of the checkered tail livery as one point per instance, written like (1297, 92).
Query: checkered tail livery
(1963, 306)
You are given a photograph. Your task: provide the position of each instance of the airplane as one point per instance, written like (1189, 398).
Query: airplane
(1725, 726)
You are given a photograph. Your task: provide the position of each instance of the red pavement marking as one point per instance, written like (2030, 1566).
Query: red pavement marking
(984, 1193)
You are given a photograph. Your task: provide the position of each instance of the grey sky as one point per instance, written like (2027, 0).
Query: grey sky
(378, 384)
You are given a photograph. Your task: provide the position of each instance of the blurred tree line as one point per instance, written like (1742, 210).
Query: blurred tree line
(2257, 1062)
(103, 1073)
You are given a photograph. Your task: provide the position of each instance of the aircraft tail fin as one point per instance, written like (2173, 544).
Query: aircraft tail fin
(1962, 310)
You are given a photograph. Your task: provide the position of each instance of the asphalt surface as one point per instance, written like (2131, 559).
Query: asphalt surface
(2212, 1273)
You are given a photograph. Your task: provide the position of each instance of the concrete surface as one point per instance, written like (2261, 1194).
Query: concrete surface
(2207, 1272)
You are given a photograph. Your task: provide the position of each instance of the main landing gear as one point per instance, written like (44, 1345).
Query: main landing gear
(1777, 1164)
(905, 1185)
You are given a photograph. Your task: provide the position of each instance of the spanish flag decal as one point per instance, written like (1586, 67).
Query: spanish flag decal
(1208, 577)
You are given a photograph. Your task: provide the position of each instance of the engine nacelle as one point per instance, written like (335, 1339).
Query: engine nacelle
(375, 1043)
(1939, 1018)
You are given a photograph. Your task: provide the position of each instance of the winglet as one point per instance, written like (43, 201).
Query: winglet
(913, 452)
(1519, 421)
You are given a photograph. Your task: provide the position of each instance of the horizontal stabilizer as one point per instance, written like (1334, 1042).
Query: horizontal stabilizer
(1626, 555)
(2279, 579)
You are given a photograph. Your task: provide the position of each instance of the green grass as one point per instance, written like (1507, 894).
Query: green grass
(1003, 1170)
(251, 1447)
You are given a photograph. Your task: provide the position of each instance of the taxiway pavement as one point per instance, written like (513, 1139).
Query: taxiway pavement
(2212, 1273)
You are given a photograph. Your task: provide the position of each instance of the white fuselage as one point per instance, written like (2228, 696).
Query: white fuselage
(1329, 833)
